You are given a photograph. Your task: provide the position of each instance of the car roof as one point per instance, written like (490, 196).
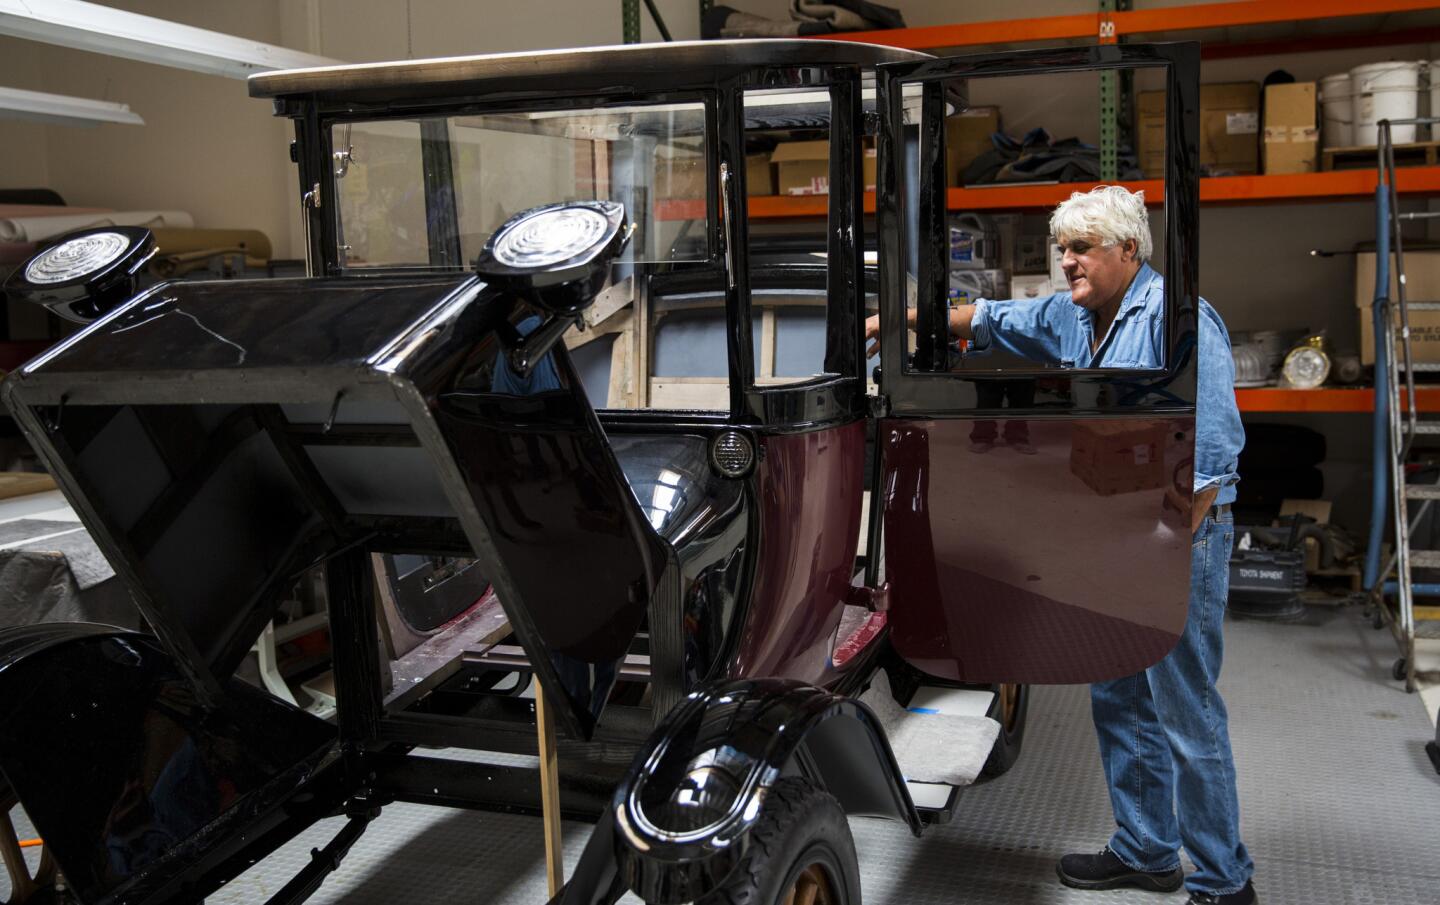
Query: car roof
(624, 67)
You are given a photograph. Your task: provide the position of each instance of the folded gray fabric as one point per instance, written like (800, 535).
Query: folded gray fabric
(847, 15)
(808, 17)
(87, 563)
(932, 747)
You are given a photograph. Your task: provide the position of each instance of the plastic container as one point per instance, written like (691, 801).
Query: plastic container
(1385, 91)
(1337, 111)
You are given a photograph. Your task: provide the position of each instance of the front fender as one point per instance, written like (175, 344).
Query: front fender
(680, 819)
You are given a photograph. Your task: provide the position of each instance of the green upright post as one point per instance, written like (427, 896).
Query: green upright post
(630, 20)
(1116, 98)
(1109, 104)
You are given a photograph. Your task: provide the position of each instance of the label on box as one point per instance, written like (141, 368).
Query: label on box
(1142, 454)
(1244, 123)
(819, 185)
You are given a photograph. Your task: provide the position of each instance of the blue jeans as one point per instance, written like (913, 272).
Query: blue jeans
(1165, 745)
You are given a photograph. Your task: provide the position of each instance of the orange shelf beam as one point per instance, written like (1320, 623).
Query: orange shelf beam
(977, 34)
(1254, 12)
(1335, 185)
(1133, 22)
(1282, 399)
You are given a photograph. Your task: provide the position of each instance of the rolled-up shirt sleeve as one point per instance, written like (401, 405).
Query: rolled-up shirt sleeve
(1024, 327)
(1219, 433)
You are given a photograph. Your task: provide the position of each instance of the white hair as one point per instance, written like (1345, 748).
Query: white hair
(1111, 213)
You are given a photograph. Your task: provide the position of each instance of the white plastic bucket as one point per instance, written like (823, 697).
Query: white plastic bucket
(1385, 91)
(1337, 111)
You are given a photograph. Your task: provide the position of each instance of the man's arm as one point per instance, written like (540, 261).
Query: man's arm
(961, 317)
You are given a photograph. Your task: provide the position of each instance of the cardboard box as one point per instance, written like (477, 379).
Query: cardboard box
(869, 164)
(1030, 286)
(679, 175)
(1422, 284)
(759, 178)
(1229, 129)
(968, 285)
(1292, 134)
(1031, 254)
(802, 167)
(1118, 456)
(967, 136)
(1057, 273)
(1150, 132)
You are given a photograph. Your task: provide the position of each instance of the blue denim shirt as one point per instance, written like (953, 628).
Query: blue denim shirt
(1056, 330)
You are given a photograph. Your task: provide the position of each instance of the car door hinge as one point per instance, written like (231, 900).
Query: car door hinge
(877, 600)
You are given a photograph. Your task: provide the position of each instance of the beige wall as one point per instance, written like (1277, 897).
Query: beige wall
(207, 147)
(23, 158)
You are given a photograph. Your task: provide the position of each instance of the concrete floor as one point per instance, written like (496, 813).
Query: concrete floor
(1339, 802)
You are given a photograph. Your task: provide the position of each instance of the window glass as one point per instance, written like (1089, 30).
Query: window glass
(502, 164)
(1088, 301)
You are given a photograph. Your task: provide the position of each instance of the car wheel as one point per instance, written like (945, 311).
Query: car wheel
(1012, 701)
(24, 883)
(800, 851)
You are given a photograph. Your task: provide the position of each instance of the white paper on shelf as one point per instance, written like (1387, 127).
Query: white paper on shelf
(38, 229)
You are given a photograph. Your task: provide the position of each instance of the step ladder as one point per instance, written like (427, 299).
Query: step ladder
(1398, 422)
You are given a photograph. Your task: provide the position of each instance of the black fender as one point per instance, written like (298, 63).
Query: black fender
(679, 821)
(145, 788)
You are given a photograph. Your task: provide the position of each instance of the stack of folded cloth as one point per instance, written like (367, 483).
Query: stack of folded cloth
(807, 17)
(1036, 158)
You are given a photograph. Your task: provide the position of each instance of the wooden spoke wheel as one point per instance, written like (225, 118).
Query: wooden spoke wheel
(800, 853)
(24, 882)
(1011, 703)
(812, 887)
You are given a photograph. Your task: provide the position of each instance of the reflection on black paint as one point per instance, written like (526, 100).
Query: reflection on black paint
(558, 509)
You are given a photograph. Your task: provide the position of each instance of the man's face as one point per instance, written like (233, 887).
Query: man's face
(1097, 273)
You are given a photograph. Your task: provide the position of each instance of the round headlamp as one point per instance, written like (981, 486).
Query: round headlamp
(1308, 364)
(86, 273)
(557, 256)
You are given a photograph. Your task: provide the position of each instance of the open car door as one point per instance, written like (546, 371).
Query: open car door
(1071, 564)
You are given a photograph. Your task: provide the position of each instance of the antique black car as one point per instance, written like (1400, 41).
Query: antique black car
(540, 342)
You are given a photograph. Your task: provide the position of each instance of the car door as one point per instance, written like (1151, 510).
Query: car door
(1032, 509)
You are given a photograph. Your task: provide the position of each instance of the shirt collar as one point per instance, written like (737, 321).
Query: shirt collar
(1135, 297)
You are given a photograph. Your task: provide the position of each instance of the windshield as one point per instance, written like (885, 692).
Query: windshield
(429, 192)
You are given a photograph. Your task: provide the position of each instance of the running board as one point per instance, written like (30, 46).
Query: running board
(935, 802)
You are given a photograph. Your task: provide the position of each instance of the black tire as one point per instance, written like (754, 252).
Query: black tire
(1010, 714)
(802, 827)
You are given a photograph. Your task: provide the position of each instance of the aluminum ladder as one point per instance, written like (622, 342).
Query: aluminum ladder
(1396, 427)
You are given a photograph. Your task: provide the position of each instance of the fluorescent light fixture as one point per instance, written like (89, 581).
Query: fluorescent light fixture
(40, 107)
(90, 26)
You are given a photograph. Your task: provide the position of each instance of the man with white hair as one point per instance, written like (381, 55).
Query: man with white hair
(1164, 738)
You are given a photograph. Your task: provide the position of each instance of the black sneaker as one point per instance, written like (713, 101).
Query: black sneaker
(1245, 896)
(1106, 871)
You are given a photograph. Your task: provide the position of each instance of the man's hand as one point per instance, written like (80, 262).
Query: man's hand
(1203, 501)
(1196, 506)
(872, 335)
